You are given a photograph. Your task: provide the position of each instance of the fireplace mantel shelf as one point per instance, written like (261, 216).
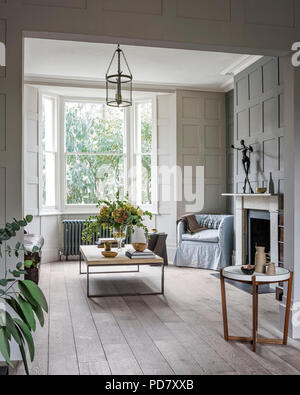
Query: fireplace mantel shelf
(266, 195)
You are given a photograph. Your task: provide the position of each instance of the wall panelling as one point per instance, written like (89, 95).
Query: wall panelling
(259, 120)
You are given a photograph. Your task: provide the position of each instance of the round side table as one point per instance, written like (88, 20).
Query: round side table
(235, 273)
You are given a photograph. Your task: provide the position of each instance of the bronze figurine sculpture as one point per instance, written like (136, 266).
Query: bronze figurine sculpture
(246, 151)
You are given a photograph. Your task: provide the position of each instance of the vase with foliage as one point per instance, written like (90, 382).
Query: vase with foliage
(119, 216)
(21, 301)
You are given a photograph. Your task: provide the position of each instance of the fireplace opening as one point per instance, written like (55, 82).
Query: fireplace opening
(258, 232)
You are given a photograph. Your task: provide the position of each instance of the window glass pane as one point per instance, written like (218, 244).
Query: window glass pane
(49, 190)
(93, 127)
(145, 126)
(146, 179)
(93, 177)
(48, 124)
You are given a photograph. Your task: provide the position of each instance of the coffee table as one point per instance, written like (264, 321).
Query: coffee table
(93, 258)
(234, 273)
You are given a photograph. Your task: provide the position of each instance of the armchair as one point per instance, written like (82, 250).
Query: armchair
(209, 249)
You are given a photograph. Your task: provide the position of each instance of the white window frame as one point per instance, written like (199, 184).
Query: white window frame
(56, 208)
(84, 208)
(130, 155)
(153, 207)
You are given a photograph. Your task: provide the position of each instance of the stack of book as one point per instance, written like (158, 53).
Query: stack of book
(133, 254)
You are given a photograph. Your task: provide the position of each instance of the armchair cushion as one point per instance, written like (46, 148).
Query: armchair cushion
(209, 236)
(214, 252)
(210, 222)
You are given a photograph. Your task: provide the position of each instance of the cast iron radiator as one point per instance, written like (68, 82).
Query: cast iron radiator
(73, 236)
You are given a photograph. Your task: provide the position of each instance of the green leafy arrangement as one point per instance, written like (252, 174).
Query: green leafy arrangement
(116, 216)
(24, 298)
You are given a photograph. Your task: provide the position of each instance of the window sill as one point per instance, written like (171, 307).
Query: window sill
(49, 213)
(88, 213)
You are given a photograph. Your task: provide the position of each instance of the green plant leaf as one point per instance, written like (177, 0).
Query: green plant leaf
(3, 282)
(28, 263)
(8, 249)
(37, 294)
(27, 295)
(24, 272)
(35, 249)
(39, 313)
(15, 226)
(11, 328)
(27, 311)
(15, 273)
(19, 265)
(23, 354)
(27, 335)
(16, 307)
(18, 245)
(29, 218)
(4, 347)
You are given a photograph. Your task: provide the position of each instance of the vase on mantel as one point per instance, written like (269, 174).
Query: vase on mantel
(271, 185)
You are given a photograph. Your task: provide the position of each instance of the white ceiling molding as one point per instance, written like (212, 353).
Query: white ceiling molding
(228, 86)
(240, 65)
(38, 80)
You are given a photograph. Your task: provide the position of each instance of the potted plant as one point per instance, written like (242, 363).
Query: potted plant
(119, 216)
(21, 301)
(32, 264)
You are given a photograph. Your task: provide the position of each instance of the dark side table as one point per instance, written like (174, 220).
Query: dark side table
(157, 244)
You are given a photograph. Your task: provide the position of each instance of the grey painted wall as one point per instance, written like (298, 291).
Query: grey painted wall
(229, 151)
(258, 119)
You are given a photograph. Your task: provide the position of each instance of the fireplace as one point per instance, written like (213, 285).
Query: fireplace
(258, 232)
(247, 208)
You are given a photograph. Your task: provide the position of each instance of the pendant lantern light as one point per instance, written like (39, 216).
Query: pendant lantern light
(118, 81)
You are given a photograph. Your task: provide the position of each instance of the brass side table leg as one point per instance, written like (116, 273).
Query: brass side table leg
(288, 309)
(224, 307)
(254, 312)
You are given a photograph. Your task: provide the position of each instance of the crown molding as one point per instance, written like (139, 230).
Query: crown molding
(240, 65)
(45, 80)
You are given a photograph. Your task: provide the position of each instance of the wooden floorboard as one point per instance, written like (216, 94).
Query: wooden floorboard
(88, 345)
(178, 333)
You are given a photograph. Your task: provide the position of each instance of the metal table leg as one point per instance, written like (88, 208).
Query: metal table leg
(160, 292)
(162, 279)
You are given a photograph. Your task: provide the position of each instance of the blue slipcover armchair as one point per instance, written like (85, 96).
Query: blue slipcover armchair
(208, 249)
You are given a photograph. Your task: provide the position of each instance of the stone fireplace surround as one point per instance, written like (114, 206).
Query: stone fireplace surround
(245, 202)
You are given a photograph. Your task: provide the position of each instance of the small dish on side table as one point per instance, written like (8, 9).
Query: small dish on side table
(248, 269)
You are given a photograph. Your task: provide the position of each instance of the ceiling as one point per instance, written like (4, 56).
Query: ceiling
(176, 68)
